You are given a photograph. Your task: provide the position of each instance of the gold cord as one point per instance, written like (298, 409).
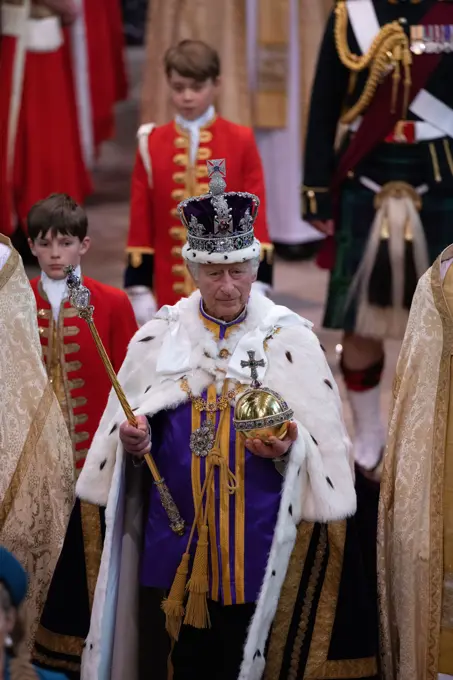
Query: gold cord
(389, 49)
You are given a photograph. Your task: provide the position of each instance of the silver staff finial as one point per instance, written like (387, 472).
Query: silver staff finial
(79, 295)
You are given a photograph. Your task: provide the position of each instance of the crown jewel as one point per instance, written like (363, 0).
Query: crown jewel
(219, 222)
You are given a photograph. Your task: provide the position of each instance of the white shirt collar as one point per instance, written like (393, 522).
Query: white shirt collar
(193, 127)
(56, 291)
(190, 125)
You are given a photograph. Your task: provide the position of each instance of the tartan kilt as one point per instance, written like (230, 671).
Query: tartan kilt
(356, 215)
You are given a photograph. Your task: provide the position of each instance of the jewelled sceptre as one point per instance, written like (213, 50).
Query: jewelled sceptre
(79, 296)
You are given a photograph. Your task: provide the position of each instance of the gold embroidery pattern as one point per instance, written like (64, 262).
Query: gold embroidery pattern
(287, 601)
(308, 604)
(318, 665)
(437, 477)
(48, 661)
(37, 474)
(10, 265)
(239, 556)
(92, 543)
(410, 590)
(59, 644)
(28, 450)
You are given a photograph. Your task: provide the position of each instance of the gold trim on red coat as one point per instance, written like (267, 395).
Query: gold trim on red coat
(70, 331)
(181, 159)
(201, 171)
(203, 153)
(178, 233)
(72, 366)
(267, 253)
(78, 401)
(179, 195)
(182, 142)
(76, 383)
(136, 254)
(205, 136)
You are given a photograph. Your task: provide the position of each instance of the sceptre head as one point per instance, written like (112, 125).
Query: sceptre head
(79, 295)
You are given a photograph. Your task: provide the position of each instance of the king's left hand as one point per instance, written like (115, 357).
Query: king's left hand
(276, 447)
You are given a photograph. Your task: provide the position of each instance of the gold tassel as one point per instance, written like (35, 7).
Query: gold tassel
(312, 202)
(396, 77)
(197, 614)
(173, 605)
(407, 61)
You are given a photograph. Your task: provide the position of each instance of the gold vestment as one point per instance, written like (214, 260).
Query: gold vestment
(36, 459)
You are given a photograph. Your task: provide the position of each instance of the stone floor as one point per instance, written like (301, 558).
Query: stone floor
(300, 286)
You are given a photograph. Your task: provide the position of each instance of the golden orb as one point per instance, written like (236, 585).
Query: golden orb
(261, 413)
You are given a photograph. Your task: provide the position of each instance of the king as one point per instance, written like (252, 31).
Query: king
(266, 579)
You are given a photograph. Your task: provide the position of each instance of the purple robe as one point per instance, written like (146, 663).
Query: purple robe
(249, 516)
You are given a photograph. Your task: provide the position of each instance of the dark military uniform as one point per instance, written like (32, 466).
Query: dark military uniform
(401, 158)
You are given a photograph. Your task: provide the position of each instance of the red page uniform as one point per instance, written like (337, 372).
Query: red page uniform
(82, 387)
(40, 150)
(164, 175)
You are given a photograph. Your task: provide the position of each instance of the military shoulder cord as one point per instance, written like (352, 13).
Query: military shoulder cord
(390, 49)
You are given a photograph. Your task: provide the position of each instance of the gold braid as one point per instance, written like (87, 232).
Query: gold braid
(390, 48)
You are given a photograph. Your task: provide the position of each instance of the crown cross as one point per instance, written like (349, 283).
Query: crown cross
(217, 174)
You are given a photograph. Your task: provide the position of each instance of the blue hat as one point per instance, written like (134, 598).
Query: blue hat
(13, 575)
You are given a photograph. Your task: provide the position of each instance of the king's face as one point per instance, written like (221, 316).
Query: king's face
(225, 288)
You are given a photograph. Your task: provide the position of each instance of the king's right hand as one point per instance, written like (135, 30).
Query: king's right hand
(136, 440)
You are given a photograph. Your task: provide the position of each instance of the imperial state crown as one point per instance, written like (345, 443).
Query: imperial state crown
(220, 224)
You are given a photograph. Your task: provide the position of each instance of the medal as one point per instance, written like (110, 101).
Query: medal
(417, 43)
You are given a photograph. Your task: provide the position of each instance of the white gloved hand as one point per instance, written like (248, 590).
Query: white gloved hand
(143, 303)
(261, 288)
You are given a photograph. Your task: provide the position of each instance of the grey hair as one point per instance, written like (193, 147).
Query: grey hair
(194, 267)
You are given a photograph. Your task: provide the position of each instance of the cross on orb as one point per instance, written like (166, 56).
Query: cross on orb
(253, 364)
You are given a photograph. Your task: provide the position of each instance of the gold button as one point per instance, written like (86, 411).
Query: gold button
(202, 189)
(181, 159)
(176, 251)
(179, 194)
(179, 287)
(181, 142)
(178, 270)
(178, 233)
(204, 154)
(201, 171)
(179, 177)
(205, 136)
